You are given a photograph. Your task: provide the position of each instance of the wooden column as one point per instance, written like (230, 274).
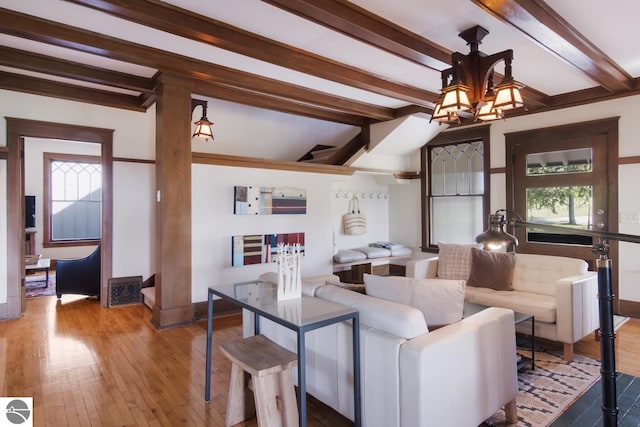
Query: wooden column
(173, 202)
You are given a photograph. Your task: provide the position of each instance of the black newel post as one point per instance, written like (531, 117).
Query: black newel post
(607, 336)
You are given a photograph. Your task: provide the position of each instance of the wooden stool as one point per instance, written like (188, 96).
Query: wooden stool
(271, 380)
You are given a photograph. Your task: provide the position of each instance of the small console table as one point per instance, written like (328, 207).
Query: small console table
(43, 264)
(301, 315)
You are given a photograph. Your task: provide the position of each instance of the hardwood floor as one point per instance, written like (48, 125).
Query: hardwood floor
(88, 366)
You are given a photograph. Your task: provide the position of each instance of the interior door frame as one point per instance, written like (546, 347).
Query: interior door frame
(17, 130)
(607, 127)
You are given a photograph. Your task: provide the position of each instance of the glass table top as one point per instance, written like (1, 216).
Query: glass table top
(471, 308)
(261, 297)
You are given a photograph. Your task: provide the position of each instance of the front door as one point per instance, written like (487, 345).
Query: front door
(565, 176)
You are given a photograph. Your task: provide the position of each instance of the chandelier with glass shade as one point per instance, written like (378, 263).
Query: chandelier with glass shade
(468, 89)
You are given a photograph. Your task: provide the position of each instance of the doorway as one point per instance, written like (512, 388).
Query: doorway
(565, 175)
(17, 130)
(63, 188)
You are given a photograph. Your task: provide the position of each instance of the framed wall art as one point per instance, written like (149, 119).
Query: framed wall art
(261, 248)
(269, 201)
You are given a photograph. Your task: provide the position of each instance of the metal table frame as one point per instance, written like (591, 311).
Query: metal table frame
(300, 330)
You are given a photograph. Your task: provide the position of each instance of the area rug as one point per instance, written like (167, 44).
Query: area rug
(35, 285)
(548, 390)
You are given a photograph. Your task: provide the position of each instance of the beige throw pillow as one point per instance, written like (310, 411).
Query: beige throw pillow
(492, 270)
(440, 301)
(454, 260)
(391, 288)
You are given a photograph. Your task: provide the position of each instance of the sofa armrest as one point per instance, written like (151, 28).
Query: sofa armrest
(425, 268)
(577, 306)
(473, 360)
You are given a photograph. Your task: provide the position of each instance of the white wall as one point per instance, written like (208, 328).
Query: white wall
(376, 210)
(629, 205)
(134, 219)
(214, 223)
(405, 214)
(134, 135)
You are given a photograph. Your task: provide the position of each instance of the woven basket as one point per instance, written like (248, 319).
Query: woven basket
(31, 259)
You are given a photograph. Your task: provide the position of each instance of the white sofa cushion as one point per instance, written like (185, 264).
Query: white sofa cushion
(539, 273)
(396, 319)
(348, 255)
(401, 251)
(441, 301)
(543, 307)
(373, 252)
(391, 288)
(454, 260)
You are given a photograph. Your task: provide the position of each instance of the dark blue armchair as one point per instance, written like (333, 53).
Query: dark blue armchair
(79, 276)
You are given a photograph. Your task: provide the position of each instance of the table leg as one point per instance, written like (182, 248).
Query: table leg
(256, 324)
(302, 384)
(533, 343)
(47, 276)
(356, 371)
(207, 375)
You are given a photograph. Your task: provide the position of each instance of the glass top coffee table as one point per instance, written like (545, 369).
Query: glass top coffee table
(473, 308)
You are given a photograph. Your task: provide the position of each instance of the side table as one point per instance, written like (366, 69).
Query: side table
(43, 264)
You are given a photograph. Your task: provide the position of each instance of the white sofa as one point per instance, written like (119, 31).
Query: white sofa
(558, 291)
(457, 375)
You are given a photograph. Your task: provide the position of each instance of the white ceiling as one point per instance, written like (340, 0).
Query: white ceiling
(612, 28)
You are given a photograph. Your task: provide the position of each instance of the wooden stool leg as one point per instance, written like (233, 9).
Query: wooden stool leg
(287, 394)
(264, 392)
(511, 411)
(240, 405)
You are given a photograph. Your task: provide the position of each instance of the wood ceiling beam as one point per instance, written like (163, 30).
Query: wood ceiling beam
(413, 109)
(214, 90)
(44, 31)
(574, 99)
(548, 29)
(146, 100)
(46, 64)
(36, 86)
(356, 22)
(353, 21)
(286, 91)
(172, 19)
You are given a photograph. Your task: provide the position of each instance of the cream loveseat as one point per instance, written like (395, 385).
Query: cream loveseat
(558, 291)
(456, 375)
